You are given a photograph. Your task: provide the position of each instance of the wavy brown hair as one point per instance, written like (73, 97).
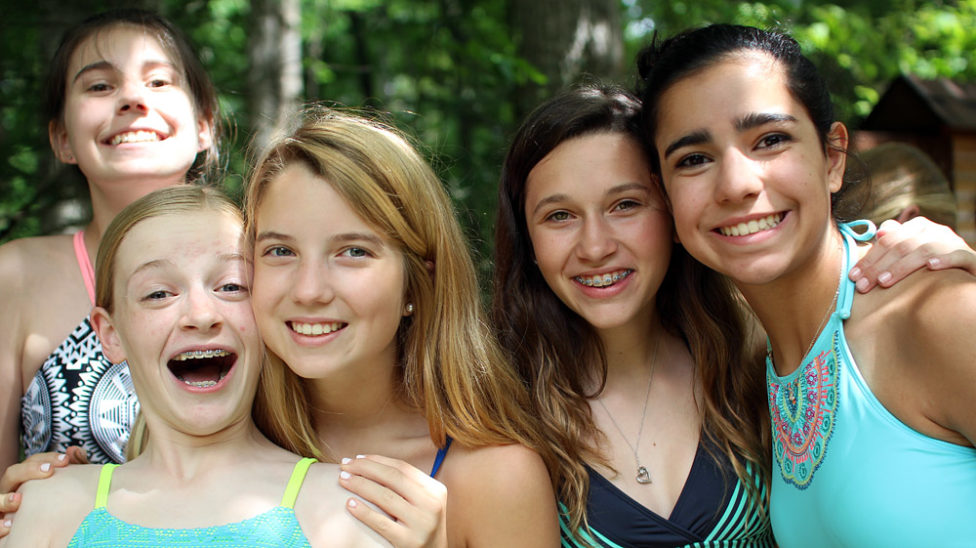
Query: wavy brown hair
(559, 354)
(451, 367)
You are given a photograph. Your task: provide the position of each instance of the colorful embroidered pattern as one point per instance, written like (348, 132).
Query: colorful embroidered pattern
(803, 410)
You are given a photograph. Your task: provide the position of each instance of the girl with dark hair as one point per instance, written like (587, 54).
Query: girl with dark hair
(869, 395)
(130, 105)
(637, 355)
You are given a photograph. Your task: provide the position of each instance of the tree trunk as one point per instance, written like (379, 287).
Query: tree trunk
(275, 76)
(566, 40)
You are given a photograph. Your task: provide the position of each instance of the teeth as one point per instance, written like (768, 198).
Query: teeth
(201, 355)
(753, 226)
(135, 137)
(316, 328)
(204, 384)
(603, 280)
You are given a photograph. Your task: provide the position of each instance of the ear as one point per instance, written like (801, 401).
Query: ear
(205, 135)
(909, 212)
(57, 135)
(837, 140)
(104, 328)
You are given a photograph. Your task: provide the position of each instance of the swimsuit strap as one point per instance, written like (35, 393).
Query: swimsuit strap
(84, 264)
(441, 454)
(845, 295)
(295, 482)
(104, 482)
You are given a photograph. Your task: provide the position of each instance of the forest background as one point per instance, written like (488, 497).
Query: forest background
(458, 75)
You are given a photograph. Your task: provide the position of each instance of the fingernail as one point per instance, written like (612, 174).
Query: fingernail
(7, 523)
(62, 456)
(11, 497)
(855, 273)
(344, 475)
(360, 456)
(45, 467)
(862, 284)
(352, 503)
(934, 262)
(346, 460)
(884, 277)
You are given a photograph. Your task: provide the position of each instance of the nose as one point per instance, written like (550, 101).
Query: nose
(739, 177)
(132, 97)
(310, 284)
(597, 240)
(200, 312)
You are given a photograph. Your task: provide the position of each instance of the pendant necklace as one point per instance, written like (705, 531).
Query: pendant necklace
(643, 475)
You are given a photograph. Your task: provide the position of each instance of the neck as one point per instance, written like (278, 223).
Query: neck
(185, 457)
(630, 350)
(360, 412)
(793, 308)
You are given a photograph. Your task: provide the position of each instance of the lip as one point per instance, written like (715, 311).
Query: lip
(334, 326)
(611, 290)
(161, 136)
(752, 224)
(221, 382)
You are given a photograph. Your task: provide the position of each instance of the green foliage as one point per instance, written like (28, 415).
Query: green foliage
(447, 71)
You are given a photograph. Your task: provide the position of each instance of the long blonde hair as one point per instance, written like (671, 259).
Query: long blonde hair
(451, 367)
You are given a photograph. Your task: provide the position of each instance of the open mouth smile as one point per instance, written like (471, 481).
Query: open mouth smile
(753, 226)
(138, 136)
(604, 280)
(314, 329)
(202, 368)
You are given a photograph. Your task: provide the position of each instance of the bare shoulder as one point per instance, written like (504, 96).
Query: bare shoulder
(29, 262)
(499, 495)
(321, 511)
(70, 490)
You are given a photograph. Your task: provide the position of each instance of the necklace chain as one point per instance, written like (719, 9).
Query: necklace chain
(643, 475)
(823, 322)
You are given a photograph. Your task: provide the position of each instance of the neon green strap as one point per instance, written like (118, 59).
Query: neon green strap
(295, 483)
(104, 482)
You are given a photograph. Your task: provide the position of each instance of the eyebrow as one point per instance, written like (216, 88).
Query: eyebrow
(105, 65)
(345, 237)
(745, 123)
(618, 189)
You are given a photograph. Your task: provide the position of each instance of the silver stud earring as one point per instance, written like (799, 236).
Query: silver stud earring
(409, 308)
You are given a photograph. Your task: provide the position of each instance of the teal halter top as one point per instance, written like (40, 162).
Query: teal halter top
(275, 528)
(846, 472)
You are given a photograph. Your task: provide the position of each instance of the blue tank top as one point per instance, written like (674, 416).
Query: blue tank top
(713, 510)
(846, 472)
(274, 528)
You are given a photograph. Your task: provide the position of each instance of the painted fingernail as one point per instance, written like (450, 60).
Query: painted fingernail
(935, 262)
(11, 497)
(7, 523)
(884, 277)
(61, 457)
(45, 467)
(352, 503)
(855, 273)
(862, 284)
(360, 456)
(346, 460)
(344, 475)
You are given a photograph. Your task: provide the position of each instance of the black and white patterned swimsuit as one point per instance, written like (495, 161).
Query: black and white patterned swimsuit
(78, 397)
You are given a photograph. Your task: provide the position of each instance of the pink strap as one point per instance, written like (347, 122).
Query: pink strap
(87, 272)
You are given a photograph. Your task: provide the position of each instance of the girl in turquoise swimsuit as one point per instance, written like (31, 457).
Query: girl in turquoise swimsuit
(870, 395)
(173, 302)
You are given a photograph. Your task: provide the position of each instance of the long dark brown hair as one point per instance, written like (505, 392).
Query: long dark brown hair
(559, 354)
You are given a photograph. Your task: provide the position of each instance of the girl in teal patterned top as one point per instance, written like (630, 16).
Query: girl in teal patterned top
(172, 300)
(871, 395)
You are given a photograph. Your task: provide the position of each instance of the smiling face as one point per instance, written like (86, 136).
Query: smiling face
(747, 175)
(599, 228)
(182, 319)
(328, 287)
(127, 111)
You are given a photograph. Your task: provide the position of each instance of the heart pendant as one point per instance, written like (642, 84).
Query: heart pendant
(643, 476)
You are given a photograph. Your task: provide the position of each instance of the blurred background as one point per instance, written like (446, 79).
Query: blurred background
(458, 75)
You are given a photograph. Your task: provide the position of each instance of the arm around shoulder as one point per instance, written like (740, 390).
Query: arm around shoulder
(500, 496)
(11, 346)
(51, 510)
